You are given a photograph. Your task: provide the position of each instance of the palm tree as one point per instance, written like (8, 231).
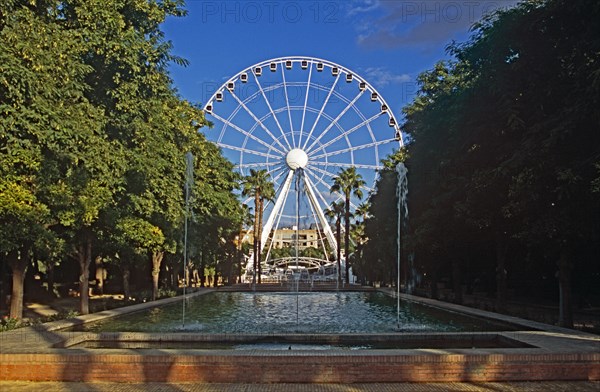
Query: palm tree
(246, 219)
(348, 182)
(268, 193)
(334, 213)
(360, 239)
(258, 185)
(362, 210)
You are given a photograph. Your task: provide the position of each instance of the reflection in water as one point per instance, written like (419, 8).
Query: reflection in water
(265, 313)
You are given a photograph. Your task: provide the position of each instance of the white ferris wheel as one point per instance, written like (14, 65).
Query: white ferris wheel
(302, 119)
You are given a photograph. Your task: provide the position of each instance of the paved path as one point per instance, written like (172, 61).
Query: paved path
(14, 386)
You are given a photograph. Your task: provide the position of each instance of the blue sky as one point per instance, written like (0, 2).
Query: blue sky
(387, 42)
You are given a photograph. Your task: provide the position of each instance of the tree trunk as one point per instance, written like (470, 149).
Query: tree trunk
(230, 258)
(126, 273)
(157, 257)
(50, 277)
(35, 266)
(100, 271)
(175, 277)
(433, 289)
(240, 254)
(565, 318)
(202, 270)
(84, 257)
(256, 237)
(456, 284)
(259, 260)
(347, 238)
(501, 272)
(18, 263)
(338, 239)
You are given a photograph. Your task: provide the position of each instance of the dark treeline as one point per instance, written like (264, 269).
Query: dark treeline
(93, 139)
(504, 163)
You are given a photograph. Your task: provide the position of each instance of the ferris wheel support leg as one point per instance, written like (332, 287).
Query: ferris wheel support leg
(276, 209)
(320, 215)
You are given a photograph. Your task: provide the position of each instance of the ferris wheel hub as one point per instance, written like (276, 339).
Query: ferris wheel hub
(296, 159)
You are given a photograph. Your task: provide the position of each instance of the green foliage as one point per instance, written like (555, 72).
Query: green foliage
(166, 293)
(380, 230)
(503, 150)
(348, 182)
(258, 185)
(139, 234)
(311, 252)
(93, 136)
(10, 323)
(278, 253)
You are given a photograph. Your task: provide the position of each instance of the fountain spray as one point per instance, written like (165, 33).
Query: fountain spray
(401, 193)
(297, 279)
(189, 182)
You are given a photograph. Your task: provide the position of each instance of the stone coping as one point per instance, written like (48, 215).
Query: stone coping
(526, 324)
(106, 314)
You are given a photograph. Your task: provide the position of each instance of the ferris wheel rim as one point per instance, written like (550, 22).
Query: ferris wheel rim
(312, 60)
(274, 158)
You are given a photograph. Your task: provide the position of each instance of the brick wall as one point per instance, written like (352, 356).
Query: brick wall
(304, 367)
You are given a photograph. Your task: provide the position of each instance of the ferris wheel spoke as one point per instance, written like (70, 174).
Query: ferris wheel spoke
(353, 148)
(321, 111)
(309, 187)
(257, 164)
(246, 133)
(319, 179)
(335, 121)
(248, 151)
(287, 104)
(256, 119)
(320, 232)
(276, 208)
(346, 165)
(345, 134)
(274, 180)
(262, 91)
(273, 236)
(328, 186)
(324, 172)
(331, 175)
(305, 104)
(278, 176)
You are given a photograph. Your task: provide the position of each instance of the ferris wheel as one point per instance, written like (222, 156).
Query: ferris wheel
(302, 119)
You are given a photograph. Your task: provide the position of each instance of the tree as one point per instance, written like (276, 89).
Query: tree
(362, 210)
(154, 127)
(335, 213)
(379, 251)
(348, 182)
(257, 185)
(47, 124)
(505, 150)
(93, 138)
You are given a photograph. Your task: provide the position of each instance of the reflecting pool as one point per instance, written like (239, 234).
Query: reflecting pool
(286, 312)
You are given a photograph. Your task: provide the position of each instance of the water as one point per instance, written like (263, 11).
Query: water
(270, 313)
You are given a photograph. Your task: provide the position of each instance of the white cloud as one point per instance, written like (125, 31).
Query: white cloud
(381, 77)
(355, 7)
(401, 23)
